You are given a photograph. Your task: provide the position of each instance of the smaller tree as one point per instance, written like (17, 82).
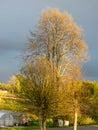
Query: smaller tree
(94, 105)
(40, 88)
(79, 97)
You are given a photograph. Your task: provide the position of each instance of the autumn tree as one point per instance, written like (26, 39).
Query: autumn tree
(80, 98)
(41, 89)
(54, 55)
(60, 39)
(94, 111)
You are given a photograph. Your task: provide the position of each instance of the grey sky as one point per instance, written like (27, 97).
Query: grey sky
(18, 17)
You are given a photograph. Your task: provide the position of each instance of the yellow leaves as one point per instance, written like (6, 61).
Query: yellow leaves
(51, 12)
(52, 18)
(59, 29)
(56, 51)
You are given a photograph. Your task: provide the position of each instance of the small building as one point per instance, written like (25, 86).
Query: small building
(60, 122)
(63, 123)
(11, 118)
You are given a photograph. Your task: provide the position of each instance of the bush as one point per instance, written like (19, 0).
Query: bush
(86, 121)
(49, 123)
(33, 122)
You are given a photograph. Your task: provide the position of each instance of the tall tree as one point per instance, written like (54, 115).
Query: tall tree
(60, 41)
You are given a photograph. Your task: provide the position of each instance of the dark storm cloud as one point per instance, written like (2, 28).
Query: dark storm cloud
(13, 35)
(16, 20)
(9, 64)
(18, 17)
(91, 72)
(11, 45)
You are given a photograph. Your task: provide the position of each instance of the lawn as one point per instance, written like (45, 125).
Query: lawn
(68, 128)
(19, 128)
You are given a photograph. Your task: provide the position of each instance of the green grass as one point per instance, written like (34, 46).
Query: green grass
(20, 128)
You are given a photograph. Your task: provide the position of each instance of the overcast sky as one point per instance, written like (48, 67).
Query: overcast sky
(19, 17)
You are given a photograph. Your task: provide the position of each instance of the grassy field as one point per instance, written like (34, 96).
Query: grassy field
(19, 128)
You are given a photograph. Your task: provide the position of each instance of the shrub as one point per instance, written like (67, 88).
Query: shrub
(49, 123)
(33, 122)
(86, 121)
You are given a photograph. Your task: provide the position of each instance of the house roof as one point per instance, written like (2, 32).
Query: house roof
(3, 112)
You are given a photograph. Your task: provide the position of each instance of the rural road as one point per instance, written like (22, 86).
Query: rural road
(79, 128)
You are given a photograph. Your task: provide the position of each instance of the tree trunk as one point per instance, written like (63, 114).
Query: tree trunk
(75, 119)
(55, 122)
(42, 123)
